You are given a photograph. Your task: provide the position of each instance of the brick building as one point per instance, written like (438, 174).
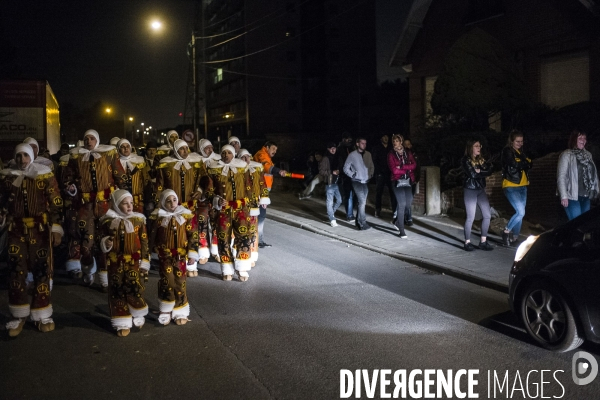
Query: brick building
(554, 43)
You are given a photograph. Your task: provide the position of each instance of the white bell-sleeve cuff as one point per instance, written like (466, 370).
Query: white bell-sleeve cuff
(56, 228)
(103, 246)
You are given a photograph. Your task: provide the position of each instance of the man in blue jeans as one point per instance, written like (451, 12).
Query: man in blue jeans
(359, 167)
(329, 171)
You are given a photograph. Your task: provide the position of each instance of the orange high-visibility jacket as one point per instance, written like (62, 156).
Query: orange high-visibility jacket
(263, 157)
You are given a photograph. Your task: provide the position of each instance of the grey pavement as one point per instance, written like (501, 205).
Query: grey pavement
(434, 242)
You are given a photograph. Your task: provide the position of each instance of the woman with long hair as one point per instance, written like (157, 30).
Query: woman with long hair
(476, 169)
(577, 177)
(402, 166)
(515, 171)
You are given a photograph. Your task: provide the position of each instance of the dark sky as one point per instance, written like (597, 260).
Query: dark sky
(104, 50)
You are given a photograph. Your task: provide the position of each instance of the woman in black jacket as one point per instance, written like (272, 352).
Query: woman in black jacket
(476, 170)
(515, 170)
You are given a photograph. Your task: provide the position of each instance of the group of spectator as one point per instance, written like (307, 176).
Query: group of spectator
(347, 168)
(576, 182)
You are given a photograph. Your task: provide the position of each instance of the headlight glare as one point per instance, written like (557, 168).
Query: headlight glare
(524, 247)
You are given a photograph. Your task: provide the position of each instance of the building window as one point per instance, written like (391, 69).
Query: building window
(218, 75)
(290, 32)
(565, 80)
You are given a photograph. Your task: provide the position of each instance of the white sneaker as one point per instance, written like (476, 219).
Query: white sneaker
(333, 223)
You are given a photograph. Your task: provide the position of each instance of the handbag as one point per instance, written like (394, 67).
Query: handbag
(403, 182)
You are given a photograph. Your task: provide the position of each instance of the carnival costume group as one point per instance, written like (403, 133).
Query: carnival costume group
(115, 209)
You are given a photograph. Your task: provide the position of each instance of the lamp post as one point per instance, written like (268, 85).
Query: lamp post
(130, 119)
(195, 88)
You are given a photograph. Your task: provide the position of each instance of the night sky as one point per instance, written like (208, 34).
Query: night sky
(105, 51)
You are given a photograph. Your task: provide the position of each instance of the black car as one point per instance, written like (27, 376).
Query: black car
(554, 284)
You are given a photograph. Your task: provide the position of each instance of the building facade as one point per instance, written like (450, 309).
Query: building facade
(296, 67)
(555, 44)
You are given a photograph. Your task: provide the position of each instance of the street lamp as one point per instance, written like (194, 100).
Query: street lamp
(156, 25)
(195, 85)
(132, 127)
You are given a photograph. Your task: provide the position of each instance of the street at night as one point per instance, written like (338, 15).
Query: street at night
(312, 307)
(299, 199)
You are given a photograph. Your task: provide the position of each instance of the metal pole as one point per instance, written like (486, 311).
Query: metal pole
(195, 84)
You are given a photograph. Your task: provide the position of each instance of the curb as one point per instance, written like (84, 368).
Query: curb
(430, 265)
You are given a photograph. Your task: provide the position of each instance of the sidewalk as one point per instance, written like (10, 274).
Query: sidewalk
(434, 243)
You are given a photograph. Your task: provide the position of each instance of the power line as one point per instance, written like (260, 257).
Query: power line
(286, 40)
(250, 30)
(249, 24)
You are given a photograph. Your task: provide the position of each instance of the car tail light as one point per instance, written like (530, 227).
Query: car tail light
(524, 247)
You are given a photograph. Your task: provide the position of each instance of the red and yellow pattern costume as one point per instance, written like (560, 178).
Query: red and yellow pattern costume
(232, 183)
(127, 256)
(32, 209)
(176, 242)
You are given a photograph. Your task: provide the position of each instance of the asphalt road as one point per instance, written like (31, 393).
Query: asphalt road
(312, 307)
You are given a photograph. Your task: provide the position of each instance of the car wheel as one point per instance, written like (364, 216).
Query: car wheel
(548, 318)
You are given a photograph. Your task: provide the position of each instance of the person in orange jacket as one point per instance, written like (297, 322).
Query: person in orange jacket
(264, 156)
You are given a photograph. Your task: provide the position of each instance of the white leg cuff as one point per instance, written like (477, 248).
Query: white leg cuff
(243, 265)
(51, 284)
(164, 318)
(192, 267)
(181, 312)
(244, 273)
(103, 278)
(139, 321)
(121, 323)
(166, 306)
(38, 314)
(14, 324)
(203, 252)
(22, 311)
(73, 265)
(138, 312)
(254, 256)
(214, 250)
(227, 268)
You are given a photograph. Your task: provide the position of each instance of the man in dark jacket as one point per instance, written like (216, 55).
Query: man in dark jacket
(329, 171)
(382, 174)
(346, 147)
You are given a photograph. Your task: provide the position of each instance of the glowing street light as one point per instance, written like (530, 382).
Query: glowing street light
(108, 110)
(156, 25)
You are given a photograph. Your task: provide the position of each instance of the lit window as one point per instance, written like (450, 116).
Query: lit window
(565, 80)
